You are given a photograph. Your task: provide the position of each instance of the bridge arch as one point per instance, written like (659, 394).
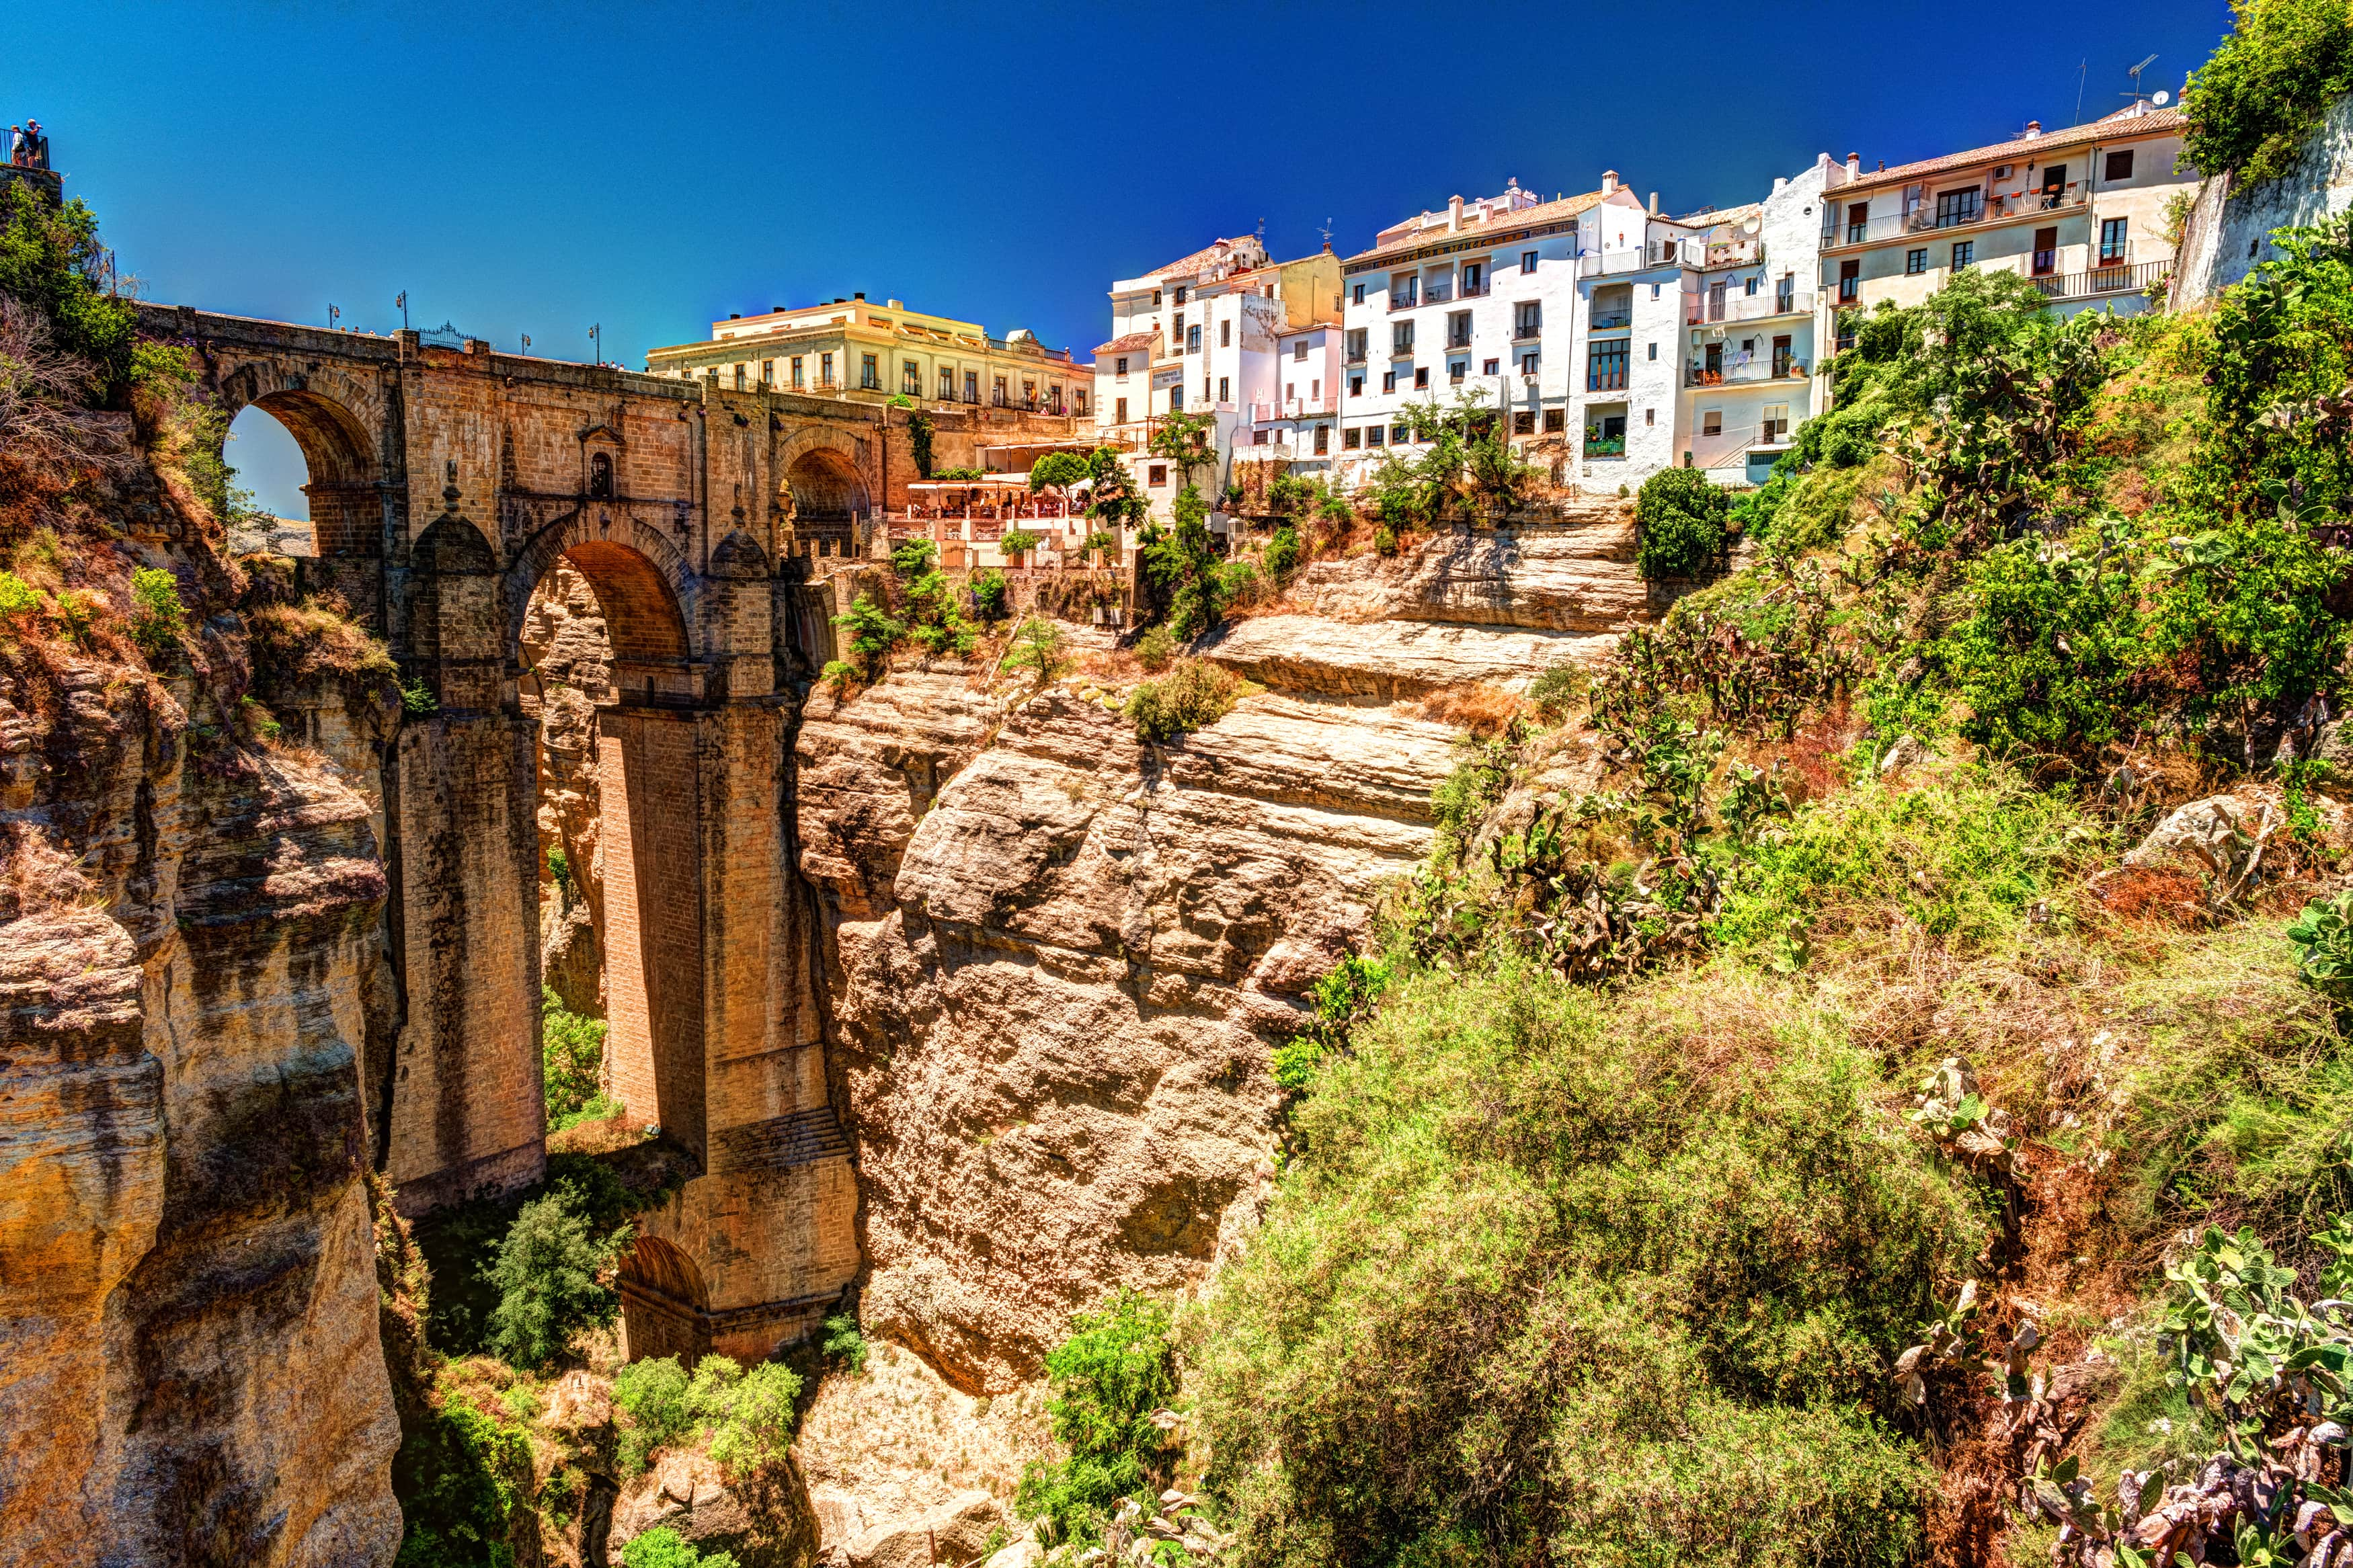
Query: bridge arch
(820, 471)
(337, 419)
(668, 1309)
(643, 585)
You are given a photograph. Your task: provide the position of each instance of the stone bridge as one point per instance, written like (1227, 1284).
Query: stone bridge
(444, 483)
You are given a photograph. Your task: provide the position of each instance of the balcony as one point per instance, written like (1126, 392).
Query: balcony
(1714, 253)
(1439, 293)
(2122, 278)
(1291, 408)
(1474, 290)
(1457, 344)
(2011, 206)
(1702, 312)
(1610, 321)
(1527, 331)
(1405, 301)
(1755, 372)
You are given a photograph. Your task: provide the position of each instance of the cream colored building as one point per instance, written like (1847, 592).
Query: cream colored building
(2080, 211)
(852, 348)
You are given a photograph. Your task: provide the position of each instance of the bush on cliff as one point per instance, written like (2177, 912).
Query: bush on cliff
(1550, 1278)
(2270, 83)
(550, 1276)
(1109, 1378)
(1679, 523)
(662, 1547)
(1193, 695)
(572, 1051)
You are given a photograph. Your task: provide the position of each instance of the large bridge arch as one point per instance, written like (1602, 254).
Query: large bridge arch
(821, 472)
(338, 417)
(650, 596)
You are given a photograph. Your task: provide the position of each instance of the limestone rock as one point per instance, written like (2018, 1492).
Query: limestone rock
(1393, 658)
(764, 1521)
(1020, 1554)
(954, 1531)
(2213, 835)
(1574, 579)
(1059, 986)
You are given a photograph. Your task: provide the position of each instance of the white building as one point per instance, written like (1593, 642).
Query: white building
(1209, 332)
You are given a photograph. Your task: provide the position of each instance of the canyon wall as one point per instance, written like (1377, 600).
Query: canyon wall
(190, 956)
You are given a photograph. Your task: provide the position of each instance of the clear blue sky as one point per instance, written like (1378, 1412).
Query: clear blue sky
(537, 169)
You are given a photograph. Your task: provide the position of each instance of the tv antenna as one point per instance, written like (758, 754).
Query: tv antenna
(2135, 74)
(1327, 234)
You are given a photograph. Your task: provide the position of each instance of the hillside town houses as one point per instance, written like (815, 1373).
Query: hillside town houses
(1611, 339)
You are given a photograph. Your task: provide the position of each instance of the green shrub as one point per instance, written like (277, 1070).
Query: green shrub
(919, 442)
(417, 699)
(990, 595)
(936, 619)
(1556, 691)
(913, 558)
(662, 1547)
(51, 259)
(559, 872)
(460, 1474)
(1182, 563)
(1679, 524)
(840, 674)
(1239, 582)
(751, 1413)
(1462, 796)
(1019, 542)
(572, 1051)
(1038, 645)
(845, 1344)
(1155, 649)
(1193, 695)
(20, 604)
(1098, 540)
(1281, 555)
(2323, 939)
(1108, 1378)
(1556, 1278)
(652, 1398)
(157, 617)
(1057, 471)
(872, 633)
(2267, 87)
(547, 1279)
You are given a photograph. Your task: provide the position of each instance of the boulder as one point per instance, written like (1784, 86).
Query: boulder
(2212, 835)
(954, 1531)
(765, 1521)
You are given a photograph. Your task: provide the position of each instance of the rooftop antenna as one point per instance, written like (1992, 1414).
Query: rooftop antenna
(2083, 75)
(1327, 234)
(2135, 74)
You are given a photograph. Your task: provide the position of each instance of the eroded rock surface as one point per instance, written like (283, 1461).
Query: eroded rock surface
(570, 656)
(1059, 967)
(1389, 660)
(1577, 578)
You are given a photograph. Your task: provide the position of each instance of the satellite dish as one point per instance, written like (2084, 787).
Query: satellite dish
(2160, 97)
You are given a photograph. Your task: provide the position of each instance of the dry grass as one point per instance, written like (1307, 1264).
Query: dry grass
(1484, 710)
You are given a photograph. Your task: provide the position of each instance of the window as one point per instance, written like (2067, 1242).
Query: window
(947, 384)
(1653, 355)
(1351, 439)
(1456, 370)
(997, 391)
(1388, 381)
(1225, 334)
(1257, 438)
(1401, 337)
(825, 370)
(1119, 412)
(1710, 421)
(1650, 416)
(1029, 395)
(739, 378)
(1527, 261)
(1079, 401)
(1355, 386)
(1749, 288)
(1205, 389)
(767, 372)
(1528, 364)
(2112, 241)
(1474, 280)
(1356, 341)
(911, 378)
(1916, 260)
(1405, 290)
(1323, 440)
(1421, 377)
(1491, 367)
(1180, 296)
(798, 379)
(1299, 351)
(1858, 221)
(1177, 327)
(1774, 422)
(1315, 390)
(2046, 252)
(2120, 164)
(1458, 328)
(1958, 207)
(1224, 396)
(1555, 421)
(1399, 434)
(1849, 281)
(1291, 391)
(1120, 366)
(2054, 184)
(1155, 299)
(870, 373)
(1357, 296)
(1785, 292)
(972, 386)
(1176, 399)
(1375, 435)
(1604, 366)
(1964, 252)
(1527, 319)
(600, 476)
(1193, 339)
(1157, 475)
(1784, 355)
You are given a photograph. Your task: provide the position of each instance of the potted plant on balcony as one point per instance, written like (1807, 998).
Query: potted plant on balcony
(1017, 543)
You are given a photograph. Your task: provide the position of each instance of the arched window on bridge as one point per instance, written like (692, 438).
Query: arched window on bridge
(600, 476)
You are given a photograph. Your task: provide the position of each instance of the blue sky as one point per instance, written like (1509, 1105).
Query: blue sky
(538, 169)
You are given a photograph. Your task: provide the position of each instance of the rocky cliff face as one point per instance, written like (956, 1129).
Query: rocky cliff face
(565, 647)
(189, 947)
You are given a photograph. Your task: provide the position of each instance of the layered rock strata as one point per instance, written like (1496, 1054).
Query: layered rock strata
(570, 657)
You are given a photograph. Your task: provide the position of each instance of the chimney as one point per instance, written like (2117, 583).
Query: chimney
(1654, 204)
(860, 295)
(2033, 129)
(1609, 182)
(735, 315)
(1780, 182)
(1454, 215)
(894, 304)
(1855, 165)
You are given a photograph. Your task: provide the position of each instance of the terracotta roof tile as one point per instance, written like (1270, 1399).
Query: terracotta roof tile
(1131, 341)
(1195, 262)
(2123, 122)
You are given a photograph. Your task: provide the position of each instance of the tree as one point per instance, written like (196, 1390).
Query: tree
(1057, 471)
(1019, 542)
(50, 257)
(1679, 521)
(919, 437)
(1114, 499)
(2267, 87)
(572, 1054)
(1183, 561)
(872, 633)
(662, 1547)
(912, 559)
(1038, 645)
(1115, 1371)
(547, 1276)
(1188, 440)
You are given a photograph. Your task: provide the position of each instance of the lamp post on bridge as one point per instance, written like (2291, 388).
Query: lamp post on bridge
(597, 336)
(401, 300)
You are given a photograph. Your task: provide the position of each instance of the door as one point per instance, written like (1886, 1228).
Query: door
(1715, 301)
(2046, 252)
(1715, 363)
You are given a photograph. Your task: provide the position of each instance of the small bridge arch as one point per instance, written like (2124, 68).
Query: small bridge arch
(337, 415)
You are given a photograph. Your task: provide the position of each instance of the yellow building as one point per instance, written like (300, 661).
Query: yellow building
(854, 349)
